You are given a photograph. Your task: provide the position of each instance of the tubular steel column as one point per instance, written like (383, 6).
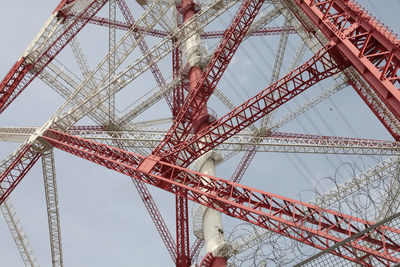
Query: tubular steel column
(212, 224)
(182, 233)
(212, 221)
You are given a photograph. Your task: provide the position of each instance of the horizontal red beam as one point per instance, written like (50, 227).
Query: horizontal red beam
(297, 220)
(368, 45)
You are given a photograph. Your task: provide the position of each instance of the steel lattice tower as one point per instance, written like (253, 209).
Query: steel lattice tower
(343, 46)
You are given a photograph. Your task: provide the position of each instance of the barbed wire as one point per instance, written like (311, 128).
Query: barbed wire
(372, 194)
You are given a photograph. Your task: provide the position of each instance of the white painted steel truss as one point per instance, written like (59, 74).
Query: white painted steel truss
(276, 142)
(50, 185)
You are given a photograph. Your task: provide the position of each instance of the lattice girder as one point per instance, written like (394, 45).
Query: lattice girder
(50, 185)
(319, 67)
(371, 48)
(306, 223)
(131, 72)
(29, 66)
(20, 237)
(15, 168)
(191, 147)
(199, 95)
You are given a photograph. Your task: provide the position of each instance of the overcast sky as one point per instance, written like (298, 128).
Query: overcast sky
(104, 222)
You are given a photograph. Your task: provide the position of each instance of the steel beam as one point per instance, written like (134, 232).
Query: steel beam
(309, 224)
(50, 186)
(198, 97)
(18, 234)
(35, 60)
(319, 67)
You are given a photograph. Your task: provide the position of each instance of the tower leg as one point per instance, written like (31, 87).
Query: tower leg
(212, 221)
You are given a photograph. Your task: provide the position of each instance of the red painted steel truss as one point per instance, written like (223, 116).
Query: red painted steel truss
(26, 70)
(15, 168)
(319, 67)
(371, 48)
(306, 223)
